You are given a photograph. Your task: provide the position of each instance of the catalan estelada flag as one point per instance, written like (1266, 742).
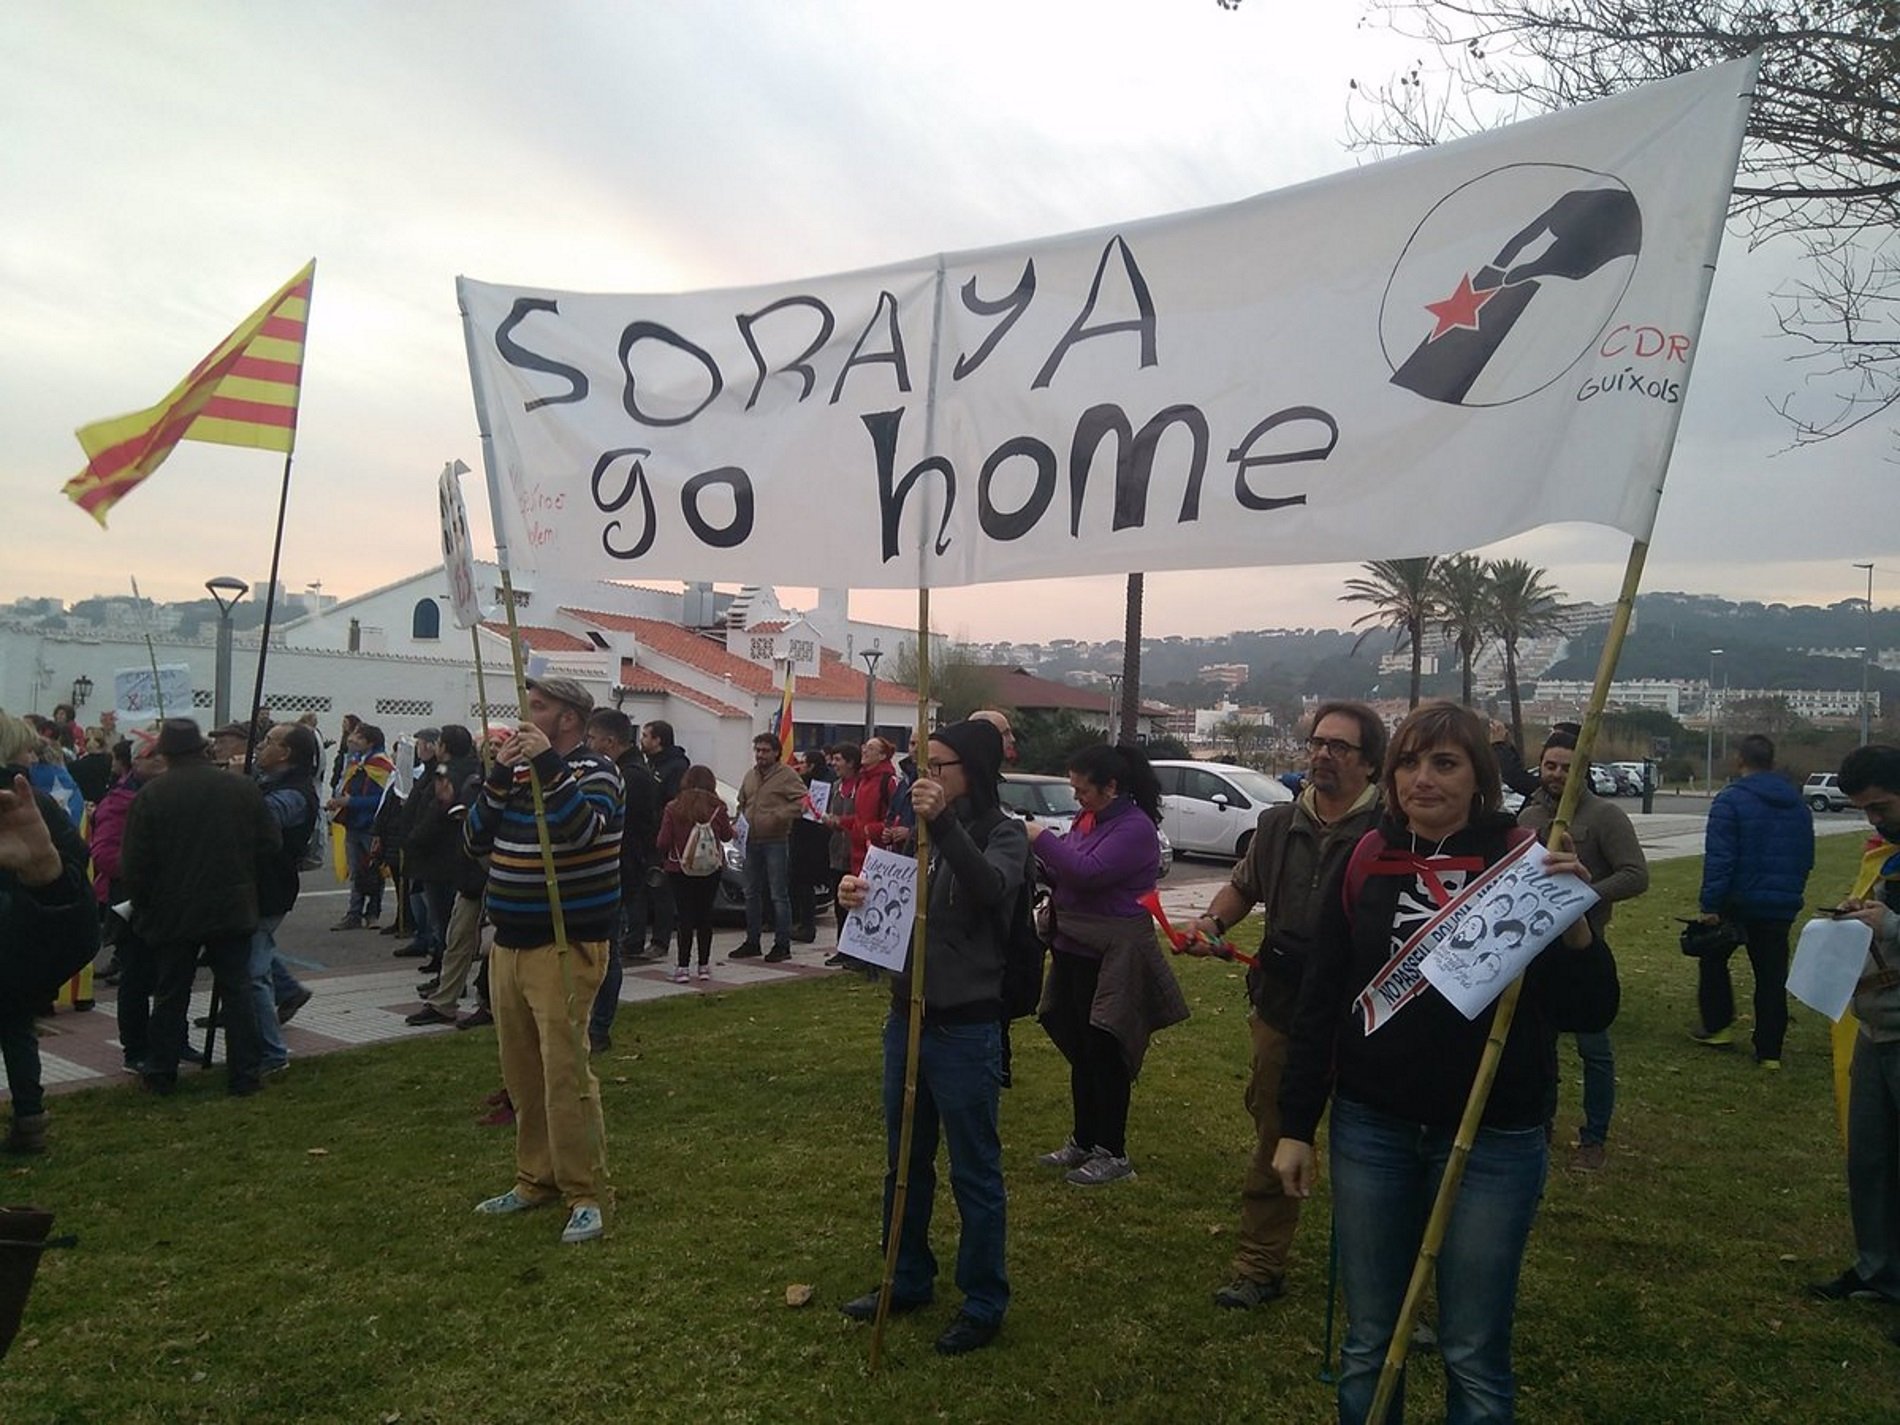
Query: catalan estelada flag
(244, 393)
(782, 724)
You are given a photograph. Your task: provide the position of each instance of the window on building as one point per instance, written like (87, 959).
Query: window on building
(427, 622)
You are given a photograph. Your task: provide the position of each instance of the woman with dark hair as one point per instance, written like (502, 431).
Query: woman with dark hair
(1398, 1094)
(1108, 988)
(698, 804)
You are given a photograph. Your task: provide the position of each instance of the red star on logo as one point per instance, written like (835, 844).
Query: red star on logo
(1460, 309)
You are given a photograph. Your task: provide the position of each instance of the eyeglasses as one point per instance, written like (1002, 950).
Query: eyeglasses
(1330, 744)
(936, 766)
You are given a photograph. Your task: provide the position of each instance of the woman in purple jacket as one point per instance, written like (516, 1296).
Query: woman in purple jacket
(1099, 872)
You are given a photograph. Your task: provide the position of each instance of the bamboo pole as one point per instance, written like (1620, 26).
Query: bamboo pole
(1440, 1220)
(481, 679)
(900, 1193)
(575, 1016)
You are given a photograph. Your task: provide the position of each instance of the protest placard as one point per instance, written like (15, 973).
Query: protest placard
(878, 931)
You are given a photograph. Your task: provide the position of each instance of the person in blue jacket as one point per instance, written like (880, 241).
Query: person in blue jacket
(1756, 858)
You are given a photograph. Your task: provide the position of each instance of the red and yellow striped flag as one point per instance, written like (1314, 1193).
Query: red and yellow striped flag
(782, 724)
(243, 393)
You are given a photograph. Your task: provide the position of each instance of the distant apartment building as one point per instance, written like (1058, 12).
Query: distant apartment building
(1656, 696)
(1225, 675)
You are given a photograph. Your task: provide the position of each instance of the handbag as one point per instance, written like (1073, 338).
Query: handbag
(702, 856)
(1699, 939)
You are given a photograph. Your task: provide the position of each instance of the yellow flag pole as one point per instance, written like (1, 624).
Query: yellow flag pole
(900, 1194)
(1440, 1220)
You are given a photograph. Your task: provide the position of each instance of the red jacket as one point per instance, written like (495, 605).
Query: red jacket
(108, 834)
(877, 783)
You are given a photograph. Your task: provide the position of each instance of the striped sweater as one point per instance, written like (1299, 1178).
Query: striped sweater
(585, 807)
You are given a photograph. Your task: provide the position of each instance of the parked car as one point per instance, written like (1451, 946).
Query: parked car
(1210, 807)
(1602, 781)
(1630, 777)
(1051, 800)
(1822, 791)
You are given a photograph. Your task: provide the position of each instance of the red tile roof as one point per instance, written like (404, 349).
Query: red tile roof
(1020, 689)
(836, 681)
(544, 640)
(645, 680)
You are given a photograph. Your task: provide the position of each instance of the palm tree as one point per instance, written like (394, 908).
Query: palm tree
(1522, 606)
(1402, 598)
(1462, 588)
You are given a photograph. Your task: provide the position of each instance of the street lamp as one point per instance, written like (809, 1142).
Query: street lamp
(1708, 731)
(1866, 655)
(227, 591)
(82, 689)
(870, 657)
(1114, 703)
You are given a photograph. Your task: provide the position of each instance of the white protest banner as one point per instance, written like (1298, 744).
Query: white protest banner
(817, 800)
(1493, 898)
(138, 698)
(1487, 937)
(1421, 355)
(878, 932)
(1828, 961)
(458, 550)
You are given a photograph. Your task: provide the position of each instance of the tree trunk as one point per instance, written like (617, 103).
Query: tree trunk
(1469, 656)
(1517, 703)
(1418, 660)
(1128, 722)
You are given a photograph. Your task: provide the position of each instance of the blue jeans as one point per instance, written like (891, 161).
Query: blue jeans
(768, 874)
(959, 1089)
(366, 886)
(1385, 1175)
(1599, 1086)
(270, 1034)
(600, 1022)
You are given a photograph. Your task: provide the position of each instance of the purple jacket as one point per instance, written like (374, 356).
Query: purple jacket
(1104, 870)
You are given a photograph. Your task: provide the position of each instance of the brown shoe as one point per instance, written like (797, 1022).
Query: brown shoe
(1588, 1158)
(475, 1019)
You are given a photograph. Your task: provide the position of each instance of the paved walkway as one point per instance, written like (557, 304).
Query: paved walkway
(352, 1007)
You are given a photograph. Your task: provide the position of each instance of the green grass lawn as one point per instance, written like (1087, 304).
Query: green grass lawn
(228, 1271)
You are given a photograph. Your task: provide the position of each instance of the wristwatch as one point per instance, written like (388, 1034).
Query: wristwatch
(1220, 926)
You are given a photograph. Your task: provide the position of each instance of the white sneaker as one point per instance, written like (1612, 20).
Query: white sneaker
(704, 972)
(1102, 1167)
(583, 1225)
(679, 974)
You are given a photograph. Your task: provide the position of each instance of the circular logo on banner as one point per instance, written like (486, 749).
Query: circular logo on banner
(1507, 281)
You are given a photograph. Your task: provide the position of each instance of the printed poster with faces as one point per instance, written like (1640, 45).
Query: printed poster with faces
(878, 932)
(1487, 937)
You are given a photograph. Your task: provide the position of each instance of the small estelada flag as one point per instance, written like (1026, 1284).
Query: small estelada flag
(782, 723)
(244, 393)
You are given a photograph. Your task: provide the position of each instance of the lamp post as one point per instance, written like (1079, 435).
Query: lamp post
(870, 657)
(227, 591)
(1866, 656)
(1114, 702)
(82, 689)
(1708, 731)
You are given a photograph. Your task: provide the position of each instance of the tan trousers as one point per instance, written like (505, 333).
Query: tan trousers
(460, 947)
(544, 1064)
(1267, 1215)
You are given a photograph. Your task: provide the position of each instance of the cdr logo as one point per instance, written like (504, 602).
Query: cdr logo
(1508, 281)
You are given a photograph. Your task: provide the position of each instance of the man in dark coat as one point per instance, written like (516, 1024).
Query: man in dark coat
(193, 841)
(1756, 858)
(668, 762)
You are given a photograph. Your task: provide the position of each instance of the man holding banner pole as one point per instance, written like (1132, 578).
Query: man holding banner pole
(981, 855)
(543, 1060)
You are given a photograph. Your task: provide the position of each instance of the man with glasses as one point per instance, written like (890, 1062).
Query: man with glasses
(1298, 848)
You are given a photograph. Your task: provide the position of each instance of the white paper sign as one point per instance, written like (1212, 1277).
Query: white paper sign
(1483, 939)
(1487, 335)
(1829, 960)
(878, 931)
(458, 550)
(139, 699)
(740, 833)
(817, 799)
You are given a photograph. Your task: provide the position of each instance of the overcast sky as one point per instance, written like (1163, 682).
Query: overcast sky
(166, 167)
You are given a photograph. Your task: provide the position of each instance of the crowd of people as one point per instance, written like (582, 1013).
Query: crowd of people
(584, 843)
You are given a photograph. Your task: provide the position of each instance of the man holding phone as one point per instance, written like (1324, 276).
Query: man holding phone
(1871, 778)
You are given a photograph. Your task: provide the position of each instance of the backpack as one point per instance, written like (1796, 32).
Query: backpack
(702, 856)
(1024, 953)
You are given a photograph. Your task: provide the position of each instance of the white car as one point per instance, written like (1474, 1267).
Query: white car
(1211, 807)
(1051, 801)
